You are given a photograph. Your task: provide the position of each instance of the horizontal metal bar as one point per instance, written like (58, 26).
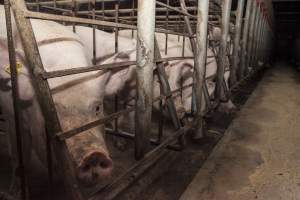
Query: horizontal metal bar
(130, 136)
(64, 2)
(66, 72)
(176, 9)
(37, 15)
(73, 132)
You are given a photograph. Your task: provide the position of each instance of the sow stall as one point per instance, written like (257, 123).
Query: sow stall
(250, 30)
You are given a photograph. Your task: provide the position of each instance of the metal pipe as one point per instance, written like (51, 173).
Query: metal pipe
(251, 35)
(252, 63)
(200, 63)
(226, 9)
(236, 45)
(144, 70)
(18, 144)
(44, 97)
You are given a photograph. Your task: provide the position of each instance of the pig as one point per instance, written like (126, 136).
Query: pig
(78, 99)
(175, 49)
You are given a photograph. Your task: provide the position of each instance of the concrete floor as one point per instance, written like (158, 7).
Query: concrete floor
(259, 156)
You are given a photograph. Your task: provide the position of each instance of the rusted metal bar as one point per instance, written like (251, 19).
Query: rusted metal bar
(226, 9)
(200, 63)
(237, 37)
(244, 48)
(18, 144)
(166, 90)
(144, 70)
(45, 99)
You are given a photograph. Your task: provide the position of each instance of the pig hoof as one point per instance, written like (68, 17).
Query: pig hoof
(94, 168)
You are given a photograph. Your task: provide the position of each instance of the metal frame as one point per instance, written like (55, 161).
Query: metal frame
(147, 56)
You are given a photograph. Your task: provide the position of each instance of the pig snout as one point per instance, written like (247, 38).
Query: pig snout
(94, 167)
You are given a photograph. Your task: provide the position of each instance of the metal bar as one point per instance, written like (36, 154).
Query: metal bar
(194, 49)
(116, 29)
(254, 39)
(65, 135)
(226, 9)
(244, 48)
(93, 5)
(200, 64)
(257, 39)
(166, 89)
(144, 70)
(175, 9)
(45, 99)
(35, 15)
(237, 37)
(18, 144)
(251, 34)
(130, 136)
(167, 27)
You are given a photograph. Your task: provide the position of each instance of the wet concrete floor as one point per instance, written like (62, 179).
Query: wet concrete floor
(259, 156)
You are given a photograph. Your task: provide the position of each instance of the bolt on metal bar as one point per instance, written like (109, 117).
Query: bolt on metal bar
(237, 38)
(144, 70)
(245, 43)
(44, 97)
(226, 9)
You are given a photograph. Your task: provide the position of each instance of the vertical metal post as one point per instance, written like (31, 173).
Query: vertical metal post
(255, 37)
(258, 38)
(45, 99)
(226, 10)
(200, 61)
(116, 29)
(144, 69)
(19, 158)
(93, 5)
(167, 27)
(249, 9)
(251, 35)
(236, 44)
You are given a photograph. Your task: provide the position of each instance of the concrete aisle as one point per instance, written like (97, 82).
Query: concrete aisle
(259, 156)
